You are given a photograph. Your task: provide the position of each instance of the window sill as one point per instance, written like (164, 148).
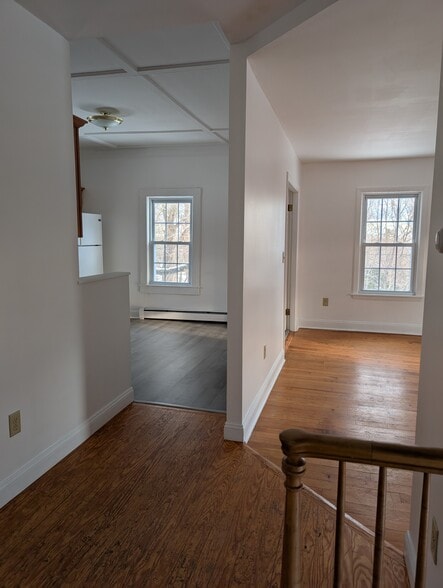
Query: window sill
(385, 297)
(176, 290)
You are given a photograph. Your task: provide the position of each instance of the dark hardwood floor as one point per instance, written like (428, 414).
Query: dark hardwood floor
(179, 363)
(156, 498)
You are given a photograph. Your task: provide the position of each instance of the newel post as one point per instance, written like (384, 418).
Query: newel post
(291, 562)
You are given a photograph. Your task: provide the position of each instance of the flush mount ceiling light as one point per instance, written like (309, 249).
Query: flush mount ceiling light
(105, 119)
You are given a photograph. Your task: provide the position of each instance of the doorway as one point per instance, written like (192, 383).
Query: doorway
(290, 259)
(179, 363)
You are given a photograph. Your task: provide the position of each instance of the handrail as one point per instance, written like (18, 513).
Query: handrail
(298, 444)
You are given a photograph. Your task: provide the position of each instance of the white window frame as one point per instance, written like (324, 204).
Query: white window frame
(174, 194)
(419, 261)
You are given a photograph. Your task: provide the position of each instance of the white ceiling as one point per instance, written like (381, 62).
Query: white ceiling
(170, 86)
(360, 80)
(357, 81)
(239, 19)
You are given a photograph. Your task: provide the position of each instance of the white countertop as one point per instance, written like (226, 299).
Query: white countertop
(100, 277)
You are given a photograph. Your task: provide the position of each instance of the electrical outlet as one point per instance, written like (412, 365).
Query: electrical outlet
(434, 540)
(15, 424)
(264, 351)
(325, 301)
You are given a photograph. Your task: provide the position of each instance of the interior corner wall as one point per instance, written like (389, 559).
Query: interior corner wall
(114, 182)
(328, 218)
(269, 160)
(42, 364)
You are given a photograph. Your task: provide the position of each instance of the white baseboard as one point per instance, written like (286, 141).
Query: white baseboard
(46, 459)
(363, 326)
(410, 558)
(242, 432)
(234, 432)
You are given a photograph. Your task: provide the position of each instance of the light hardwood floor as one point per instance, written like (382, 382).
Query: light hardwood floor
(352, 384)
(156, 498)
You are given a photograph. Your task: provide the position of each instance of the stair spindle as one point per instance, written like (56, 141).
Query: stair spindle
(421, 551)
(379, 529)
(298, 444)
(340, 524)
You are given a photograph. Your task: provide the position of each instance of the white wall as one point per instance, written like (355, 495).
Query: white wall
(430, 399)
(328, 223)
(43, 367)
(115, 183)
(249, 384)
(106, 341)
(268, 161)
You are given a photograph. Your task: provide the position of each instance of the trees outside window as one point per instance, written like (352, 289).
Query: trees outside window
(170, 254)
(388, 243)
(170, 240)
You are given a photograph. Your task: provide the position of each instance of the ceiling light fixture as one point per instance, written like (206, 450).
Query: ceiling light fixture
(105, 119)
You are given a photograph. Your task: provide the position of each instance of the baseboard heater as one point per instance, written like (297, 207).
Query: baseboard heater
(183, 315)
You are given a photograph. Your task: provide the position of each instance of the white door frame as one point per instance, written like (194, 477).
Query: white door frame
(290, 257)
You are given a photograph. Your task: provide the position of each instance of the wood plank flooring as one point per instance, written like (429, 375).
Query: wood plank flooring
(353, 384)
(157, 498)
(179, 363)
(318, 532)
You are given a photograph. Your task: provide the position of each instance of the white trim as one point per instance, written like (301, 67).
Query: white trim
(410, 557)
(242, 432)
(423, 215)
(252, 416)
(194, 288)
(46, 459)
(234, 432)
(184, 289)
(293, 270)
(363, 326)
(395, 297)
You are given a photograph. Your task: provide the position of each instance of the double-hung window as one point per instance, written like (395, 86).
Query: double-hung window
(170, 242)
(389, 243)
(172, 250)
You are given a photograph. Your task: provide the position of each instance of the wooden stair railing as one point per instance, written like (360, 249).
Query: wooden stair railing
(298, 444)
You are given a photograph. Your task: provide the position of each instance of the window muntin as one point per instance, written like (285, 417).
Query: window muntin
(388, 244)
(170, 222)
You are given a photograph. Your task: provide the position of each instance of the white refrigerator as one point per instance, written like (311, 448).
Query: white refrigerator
(90, 247)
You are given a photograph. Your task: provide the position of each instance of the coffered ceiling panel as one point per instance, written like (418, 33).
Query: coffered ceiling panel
(359, 80)
(204, 90)
(141, 105)
(170, 87)
(89, 55)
